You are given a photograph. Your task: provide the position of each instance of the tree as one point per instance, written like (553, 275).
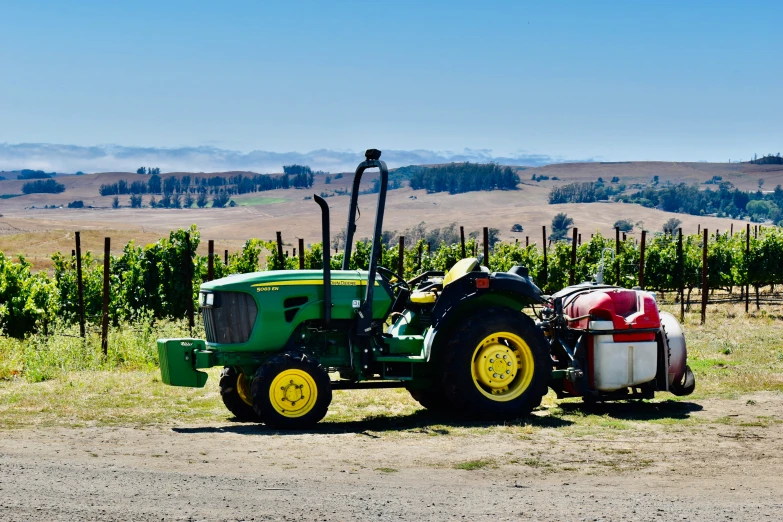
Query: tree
(202, 201)
(615, 179)
(188, 200)
(625, 225)
(141, 170)
(221, 199)
(560, 225)
(338, 241)
(135, 201)
(115, 203)
(49, 186)
(516, 227)
(761, 183)
(671, 225)
(153, 185)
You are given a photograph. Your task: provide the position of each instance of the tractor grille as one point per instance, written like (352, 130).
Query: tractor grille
(232, 319)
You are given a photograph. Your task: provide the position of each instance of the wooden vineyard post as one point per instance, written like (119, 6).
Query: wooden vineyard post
(641, 259)
(301, 254)
(747, 268)
(105, 317)
(189, 281)
(527, 241)
(617, 251)
(225, 257)
(681, 275)
(211, 260)
(280, 257)
(80, 283)
(704, 279)
(486, 247)
(731, 233)
(579, 241)
(418, 256)
(572, 275)
(462, 241)
(401, 258)
(543, 279)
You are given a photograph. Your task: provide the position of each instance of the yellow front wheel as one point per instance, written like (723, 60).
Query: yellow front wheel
(291, 391)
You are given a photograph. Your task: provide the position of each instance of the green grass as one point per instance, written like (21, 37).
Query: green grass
(258, 200)
(471, 465)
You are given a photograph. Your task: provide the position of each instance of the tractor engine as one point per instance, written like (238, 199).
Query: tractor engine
(614, 343)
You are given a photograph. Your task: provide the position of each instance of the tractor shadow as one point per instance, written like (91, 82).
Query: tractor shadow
(421, 421)
(634, 410)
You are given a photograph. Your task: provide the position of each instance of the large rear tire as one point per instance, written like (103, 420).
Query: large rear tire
(291, 391)
(496, 365)
(235, 392)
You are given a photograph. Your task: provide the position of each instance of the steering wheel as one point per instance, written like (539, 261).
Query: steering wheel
(388, 274)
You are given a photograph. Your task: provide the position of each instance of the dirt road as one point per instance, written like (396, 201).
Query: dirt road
(720, 460)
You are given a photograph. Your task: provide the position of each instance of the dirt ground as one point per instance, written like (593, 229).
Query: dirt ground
(711, 459)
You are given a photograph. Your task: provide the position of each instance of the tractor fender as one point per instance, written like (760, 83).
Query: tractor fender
(473, 293)
(480, 288)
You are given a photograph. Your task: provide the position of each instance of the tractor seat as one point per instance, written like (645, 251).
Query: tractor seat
(461, 268)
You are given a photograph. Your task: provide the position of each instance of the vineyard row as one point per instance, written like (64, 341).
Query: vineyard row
(162, 279)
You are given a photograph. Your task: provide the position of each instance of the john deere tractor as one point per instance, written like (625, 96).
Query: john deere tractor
(458, 341)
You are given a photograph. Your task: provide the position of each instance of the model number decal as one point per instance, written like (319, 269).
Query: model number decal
(267, 289)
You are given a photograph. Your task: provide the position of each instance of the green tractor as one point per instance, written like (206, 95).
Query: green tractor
(457, 341)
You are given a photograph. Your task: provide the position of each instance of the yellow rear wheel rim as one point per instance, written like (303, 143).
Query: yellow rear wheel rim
(293, 393)
(243, 390)
(502, 366)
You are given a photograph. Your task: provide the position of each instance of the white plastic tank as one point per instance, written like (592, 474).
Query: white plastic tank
(623, 364)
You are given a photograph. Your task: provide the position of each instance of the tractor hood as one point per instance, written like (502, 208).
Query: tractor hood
(252, 281)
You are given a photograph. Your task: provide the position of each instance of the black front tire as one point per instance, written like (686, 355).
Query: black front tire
(291, 391)
(229, 386)
(472, 348)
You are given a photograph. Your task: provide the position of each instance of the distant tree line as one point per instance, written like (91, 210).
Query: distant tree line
(727, 201)
(48, 186)
(583, 192)
(148, 170)
(456, 178)
(239, 184)
(35, 174)
(769, 159)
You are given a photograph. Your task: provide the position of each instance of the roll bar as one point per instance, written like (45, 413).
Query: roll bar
(372, 160)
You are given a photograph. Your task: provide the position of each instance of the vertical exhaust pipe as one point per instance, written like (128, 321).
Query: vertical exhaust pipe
(327, 259)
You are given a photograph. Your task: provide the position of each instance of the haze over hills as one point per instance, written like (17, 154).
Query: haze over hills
(103, 158)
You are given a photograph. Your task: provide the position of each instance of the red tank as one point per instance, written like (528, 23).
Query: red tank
(627, 309)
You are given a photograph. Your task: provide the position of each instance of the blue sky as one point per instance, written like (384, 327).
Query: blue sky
(683, 81)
